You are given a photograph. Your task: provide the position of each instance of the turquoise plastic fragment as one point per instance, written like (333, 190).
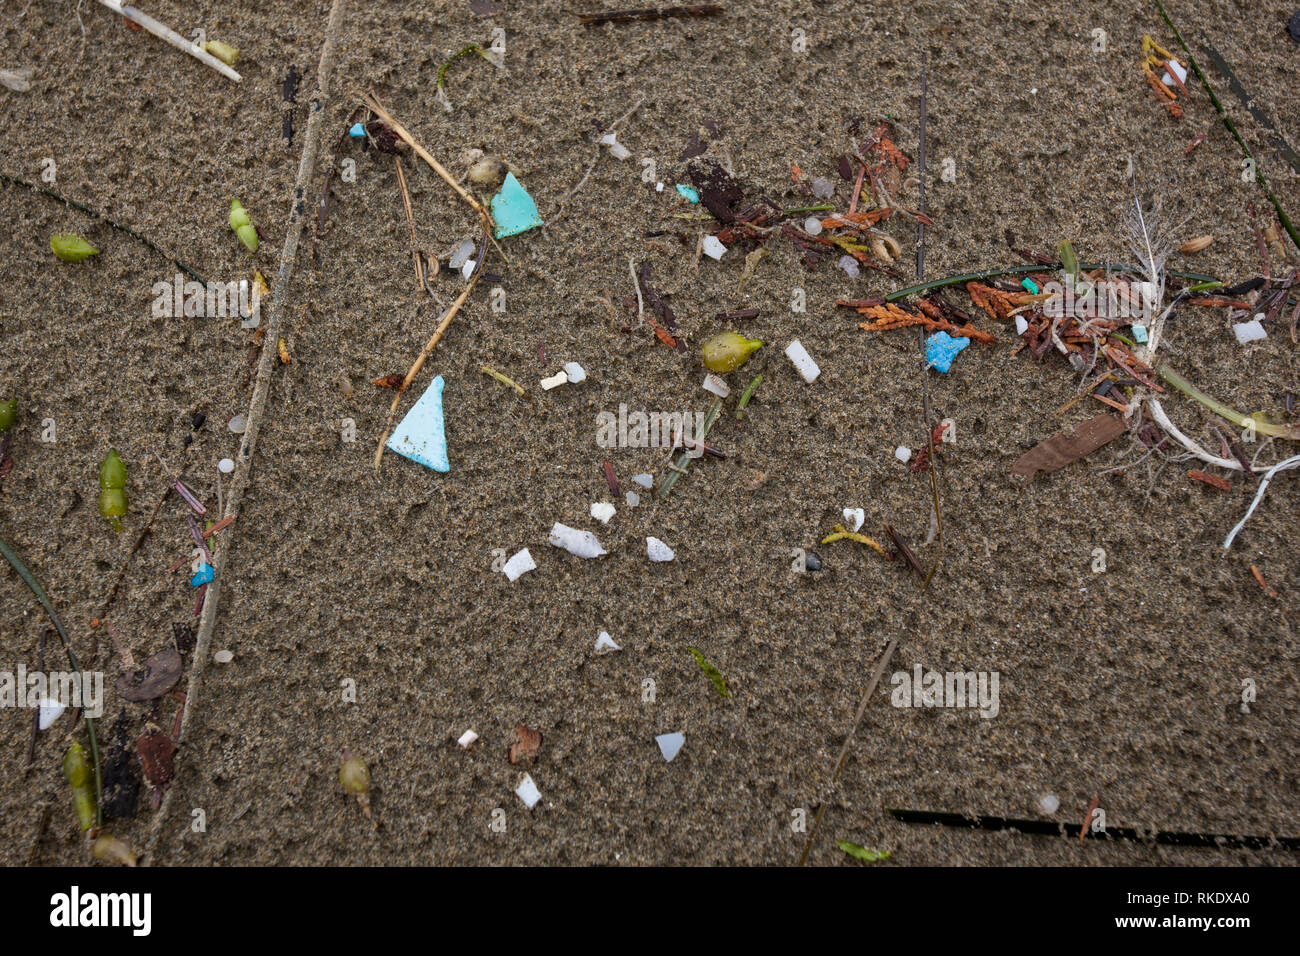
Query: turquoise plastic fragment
(513, 209)
(688, 193)
(358, 131)
(202, 576)
(420, 435)
(941, 348)
(1139, 333)
(1028, 285)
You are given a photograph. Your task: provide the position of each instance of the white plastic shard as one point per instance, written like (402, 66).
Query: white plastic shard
(903, 454)
(713, 247)
(519, 565)
(48, 712)
(575, 372)
(855, 517)
(797, 354)
(632, 499)
(420, 435)
(1247, 332)
(1022, 326)
(716, 385)
(582, 543)
(670, 745)
(556, 380)
(616, 149)
(1178, 69)
(466, 739)
(528, 792)
(602, 511)
(645, 480)
(658, 551)
(605, 644)
(460, 255)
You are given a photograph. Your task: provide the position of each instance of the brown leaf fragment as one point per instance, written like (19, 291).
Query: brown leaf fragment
(392, 380)
(1067, 446)
(1212, 480)
(157, 753)
(155, 676)
(527, 743)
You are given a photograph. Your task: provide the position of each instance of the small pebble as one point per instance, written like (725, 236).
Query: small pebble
(1247, 332)
(467, 738)
(519, 565)
(602, 511)
(812, 562)
(575, 372)
(632, 499)
(670, 745)
(197, 420)
(237, 424)
(223, 657)
(849, 265)
(1293, 26)
(1049, 803)
(797, 354)
(716, 385)
(813, 226)
(713, 247)
(528, 792)
(658, 551)
(605, 644)
(903, 454)
(225, 466)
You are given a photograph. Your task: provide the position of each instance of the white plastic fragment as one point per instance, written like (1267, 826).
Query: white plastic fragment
(797, 354)
(616, 149)
(823, 188)
(713, 247)
(716, 385)
(520, 564)
(555, 381)
(903, 454)
(670, 745)
(849, 265)
(528, 792)
(1247, 332)
(467, 738)
(237, 424)
(602, 511)
(813, 226)
(581, 543)
(1049, 803)
(467, 269)
(659, 187)
(658, 551)
(225, 466)
(575, 372)
(632, 499)
(1178, 69)
(646, 481)
(855, 517)
(1021, 325)
(605, 644)
(48, 711)
(460, 255)
(223, 657)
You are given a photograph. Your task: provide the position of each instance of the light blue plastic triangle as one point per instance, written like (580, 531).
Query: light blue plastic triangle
(421, 436)
(513, 209)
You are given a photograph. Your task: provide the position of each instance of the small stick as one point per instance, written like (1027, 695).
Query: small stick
(410, 223)
(748, 394)
(503, 379)
(170, 36)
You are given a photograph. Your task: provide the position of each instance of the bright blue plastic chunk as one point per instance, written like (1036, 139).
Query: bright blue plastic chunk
(202, 576)
(688, 193)
(1139, 333)
(1028, 285)
(941, 348)
(513, 209)
(421, 436)
(358, 131)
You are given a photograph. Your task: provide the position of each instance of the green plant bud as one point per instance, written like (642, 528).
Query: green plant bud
(71, 248)
(8, 414)
(112, 473)
(354, 775)
(224, 52)
(77, 772)
(727, 351)
(238, 214)
(248, 236)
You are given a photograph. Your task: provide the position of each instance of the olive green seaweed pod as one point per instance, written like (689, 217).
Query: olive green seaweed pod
(112, 489)
(727, 351)
(242, 225)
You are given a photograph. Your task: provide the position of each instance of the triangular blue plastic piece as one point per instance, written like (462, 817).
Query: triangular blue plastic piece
(513, 209)
(420, 436)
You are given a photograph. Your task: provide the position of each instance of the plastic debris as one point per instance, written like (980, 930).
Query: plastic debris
(225, 466)
(687, 193)
(849, 265)
(1049, 803)
(658, 551)
(1139, 333)
(855, 517)
(223, 656)
(520, 564)
(605, 644)
(1021, 325)
(420, 436)
(797, 354)
(575, 372)
(461, 254)
(616, 149)
(1029, 285)
(713, 247)
(1179, 70)
(941, 348)
(903, 454)
(646, 481)
(582, 543)
(202, 576)
(48, 711)
(716, 385)
(237, 424)
(602, 511)
(632, 499)
(670, 745)
(467, 739)
(823, 188)
(1247, 332)
(555, 381)
(358, 131)
(813, 226)
(528, 792)
(513, 209)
